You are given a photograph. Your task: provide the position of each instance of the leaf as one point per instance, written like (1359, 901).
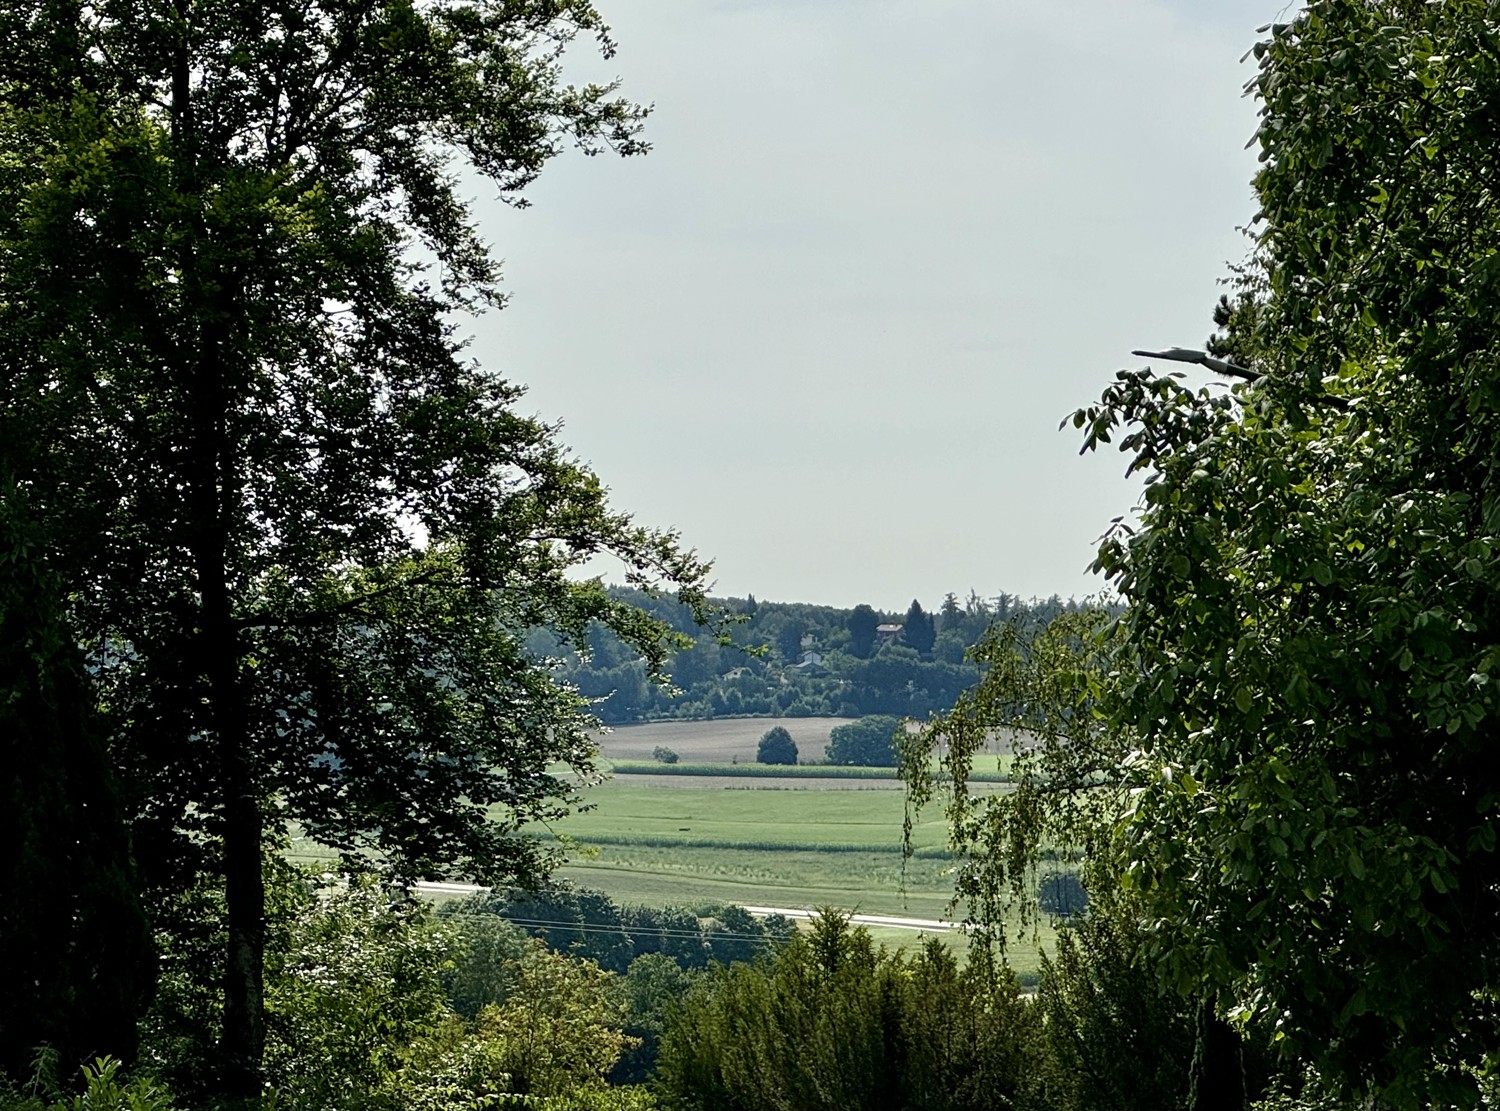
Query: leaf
(1355, 864)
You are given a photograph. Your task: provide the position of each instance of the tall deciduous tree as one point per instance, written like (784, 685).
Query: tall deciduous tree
(1304, 680)
(862, 624)
(1314, 600)
(304, 535)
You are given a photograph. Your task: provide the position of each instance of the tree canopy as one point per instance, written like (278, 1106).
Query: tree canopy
(776, 747)
(869, 742)
(303, 537)
(920, 630)
(863, 622)
(1301, 690)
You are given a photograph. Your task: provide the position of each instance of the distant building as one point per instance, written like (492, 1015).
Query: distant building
(887, 633)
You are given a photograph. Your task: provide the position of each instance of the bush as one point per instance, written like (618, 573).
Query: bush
(831, 1021)
(663, 755)
(776, 747)
(104, 1089)
(870, 741)
(1062, 895)
(1115, 1038)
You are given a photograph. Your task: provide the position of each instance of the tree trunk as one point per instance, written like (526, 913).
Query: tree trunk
(242, 1043)
(1217, 1081)
(207, 317)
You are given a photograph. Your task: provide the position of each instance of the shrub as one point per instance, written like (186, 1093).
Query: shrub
(1062, 895)
(831, 1021)
(776, 747)
(663, 755)
(870, 742)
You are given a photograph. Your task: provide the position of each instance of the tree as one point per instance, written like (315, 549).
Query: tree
(304, 538)
(920, 631)
(868, 742)
(75, 950)
(952, 613)
(1303, 678)
(789, 641)
(1313, 592)
(776, 747)
(862, 623)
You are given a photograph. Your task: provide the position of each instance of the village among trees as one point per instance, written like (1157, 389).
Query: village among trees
(275, 554)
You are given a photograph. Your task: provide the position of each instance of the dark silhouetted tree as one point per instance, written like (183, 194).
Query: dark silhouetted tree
(303, 535)
(776, 747)
(862, 625)
(920, 631)
(76, 959)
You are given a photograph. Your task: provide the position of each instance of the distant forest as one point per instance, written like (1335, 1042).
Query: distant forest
(796, 659)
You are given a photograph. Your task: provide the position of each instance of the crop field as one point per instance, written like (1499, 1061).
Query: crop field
(722, 741)
(717, 832)
(798, 840)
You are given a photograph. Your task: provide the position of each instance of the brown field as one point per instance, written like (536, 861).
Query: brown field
(765, 783)
(721, 741)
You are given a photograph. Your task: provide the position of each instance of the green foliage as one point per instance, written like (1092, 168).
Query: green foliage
(1062, 895)
(558, 1029)
(663, 755)
(374, 1003)
(1281, 748)
(75, 950)
(303, 538)
(601, 1099)
(832, 1022)
(862, 623)
(728, 674)
(919, 631)
(589, 925)
(1305, 667)
(649, 991)
(355, 1004)
(776, 747)
(1114, 1037)
(479, 970)
(105, 1088)
(870, 742)
(1039, 685)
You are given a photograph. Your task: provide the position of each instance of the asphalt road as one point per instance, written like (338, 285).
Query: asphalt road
(929, 925)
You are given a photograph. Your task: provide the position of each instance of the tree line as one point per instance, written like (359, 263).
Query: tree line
(793, 659)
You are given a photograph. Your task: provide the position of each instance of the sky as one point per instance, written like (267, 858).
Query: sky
(827, 329)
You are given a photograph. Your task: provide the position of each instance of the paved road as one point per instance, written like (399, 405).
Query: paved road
(931, 925)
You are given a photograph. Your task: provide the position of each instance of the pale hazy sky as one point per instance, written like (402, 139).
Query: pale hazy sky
(829, 326)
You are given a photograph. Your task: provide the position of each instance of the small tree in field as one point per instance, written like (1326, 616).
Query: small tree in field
(776, 747)
(868, 742)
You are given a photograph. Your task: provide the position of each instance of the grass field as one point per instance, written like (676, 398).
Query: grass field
(799, 840)
(743, 835)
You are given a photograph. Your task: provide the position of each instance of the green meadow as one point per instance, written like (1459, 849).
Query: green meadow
(724, 832)
(712, 831)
